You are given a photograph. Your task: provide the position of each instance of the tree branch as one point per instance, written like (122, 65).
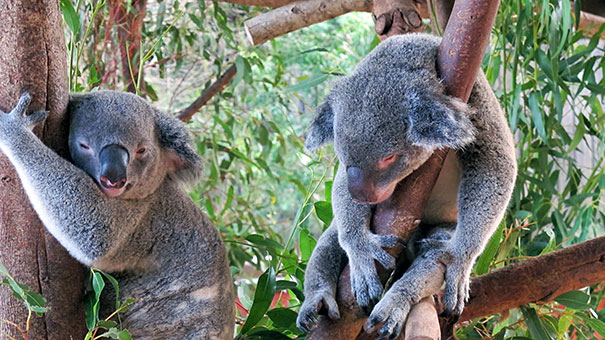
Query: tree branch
(538, 280)
(216, 87)
(260, 3)
(29, 252)
(591, 23)
(297, 15)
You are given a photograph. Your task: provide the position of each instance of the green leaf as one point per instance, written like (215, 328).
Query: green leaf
(265, 290)
(240, 69)
(578, 135)
(597, 325)
(261, 241)
(575, 300)
(3, 270)
(323, 210)
(565, 24)
(536, 329)
(97, 283)
(267, 334)
(307, 244)
(489, 254)
(312, 81)
(70, 16)
(282, 317)
(537, 115)
(284, 285)
(124, 335)
(116, 286)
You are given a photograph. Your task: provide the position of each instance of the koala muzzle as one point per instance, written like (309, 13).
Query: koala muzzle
(361, 189)
(114, 165)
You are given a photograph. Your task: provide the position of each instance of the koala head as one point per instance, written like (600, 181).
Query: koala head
(126, 145)
(388, 117)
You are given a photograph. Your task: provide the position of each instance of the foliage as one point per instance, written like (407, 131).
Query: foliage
(34, 302)
(270, 200)
(107, 328)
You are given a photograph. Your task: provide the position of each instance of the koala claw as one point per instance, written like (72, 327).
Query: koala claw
(391, 312)
(457, 285)
(22, 105)
(308, 314)
(377, 242)
(365, 285)
(19, 113)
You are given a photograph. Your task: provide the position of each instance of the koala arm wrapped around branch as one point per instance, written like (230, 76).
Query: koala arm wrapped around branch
(46, 178)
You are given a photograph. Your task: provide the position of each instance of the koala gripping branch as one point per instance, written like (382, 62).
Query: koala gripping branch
(458, 61)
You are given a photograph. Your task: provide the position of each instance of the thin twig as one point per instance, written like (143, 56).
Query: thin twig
(216, 87)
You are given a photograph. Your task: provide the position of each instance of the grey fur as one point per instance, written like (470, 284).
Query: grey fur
(153, 238)
(394, 103)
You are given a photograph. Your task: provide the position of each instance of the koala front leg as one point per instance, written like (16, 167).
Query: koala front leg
(321, 280)
(361, 245)
(68, 202)
(488, 176)
(422, 279)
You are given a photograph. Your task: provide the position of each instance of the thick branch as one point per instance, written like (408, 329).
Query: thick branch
(297, 15)
(538, 280)
(260, 3)
(33, 58)
(210, 92)
(591, 23)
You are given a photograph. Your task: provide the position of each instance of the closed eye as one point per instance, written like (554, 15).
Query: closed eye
(84, 146)
(386, 161)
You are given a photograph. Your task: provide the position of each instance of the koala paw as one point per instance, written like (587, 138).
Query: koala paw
(18, 116)
(457, 284)
(314, 302)
(391, 312)
(364, 279)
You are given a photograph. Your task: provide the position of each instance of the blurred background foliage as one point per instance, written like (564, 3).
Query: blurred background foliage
(271, 201)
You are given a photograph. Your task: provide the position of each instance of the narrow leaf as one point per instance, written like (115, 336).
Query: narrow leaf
(265, 289)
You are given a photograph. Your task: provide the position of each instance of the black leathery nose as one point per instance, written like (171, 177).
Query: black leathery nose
(359, 187)
(114, 164)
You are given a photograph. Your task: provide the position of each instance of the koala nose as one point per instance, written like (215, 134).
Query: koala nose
(114, 165)
(360, 189)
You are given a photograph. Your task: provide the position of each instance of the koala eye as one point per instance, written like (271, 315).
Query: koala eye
(385, 162)
(84, 146)
(141, 151)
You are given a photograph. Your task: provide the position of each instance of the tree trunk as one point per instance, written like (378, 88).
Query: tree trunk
(33, 58)
(129, 24)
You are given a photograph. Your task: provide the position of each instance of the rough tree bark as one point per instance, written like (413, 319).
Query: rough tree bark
(549, 276)
(33, 58)
(297, 15)
(261, 3)
(129, 24)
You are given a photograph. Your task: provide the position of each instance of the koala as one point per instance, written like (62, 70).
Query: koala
(119, 206)
(385, 120)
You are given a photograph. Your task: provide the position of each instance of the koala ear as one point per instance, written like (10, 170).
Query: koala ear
(174, 138)
(321, 130)
(437, 121)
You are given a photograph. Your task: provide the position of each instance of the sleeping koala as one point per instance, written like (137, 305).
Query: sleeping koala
(120, 207)
(386, 119)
